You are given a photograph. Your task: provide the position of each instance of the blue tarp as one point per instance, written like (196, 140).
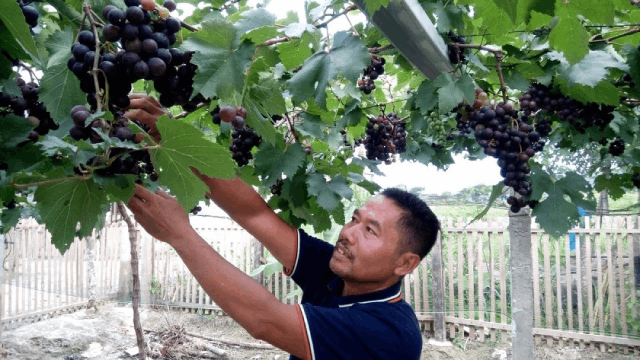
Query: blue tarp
(572, 236)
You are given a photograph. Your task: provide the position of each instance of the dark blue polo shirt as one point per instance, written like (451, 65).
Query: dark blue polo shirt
(377, 325)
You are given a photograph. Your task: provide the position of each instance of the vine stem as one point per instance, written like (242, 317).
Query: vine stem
(49, 182)
(503, 88)
(84, 18)
(377, 50)
(27, 67)
(608, 40)
(133, 235)
(96, 59)
(343, 12)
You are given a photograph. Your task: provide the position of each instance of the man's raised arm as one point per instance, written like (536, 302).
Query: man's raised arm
(246, 207)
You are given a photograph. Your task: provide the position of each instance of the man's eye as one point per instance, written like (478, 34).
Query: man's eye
(369, 229)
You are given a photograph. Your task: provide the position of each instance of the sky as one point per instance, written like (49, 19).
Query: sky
(464, 173)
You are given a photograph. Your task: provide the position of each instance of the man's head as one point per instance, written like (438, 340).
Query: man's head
(385, 240)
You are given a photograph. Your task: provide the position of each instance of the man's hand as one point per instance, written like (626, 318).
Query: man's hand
(160, 215)
(146, 110)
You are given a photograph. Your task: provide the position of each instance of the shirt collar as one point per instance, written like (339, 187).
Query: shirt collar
(384, 295)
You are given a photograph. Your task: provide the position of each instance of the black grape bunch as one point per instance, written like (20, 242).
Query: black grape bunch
(244, 138)
(276, 189)
(140, 41)
(196, 209)
(456, 54)
(29, 107)
(371, 73)
(385, 136)
(498, 129)
(635, 178)
(123, 161)
(580, 116)
(30, 13)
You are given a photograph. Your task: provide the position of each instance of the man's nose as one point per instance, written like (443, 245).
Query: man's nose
(349, 234)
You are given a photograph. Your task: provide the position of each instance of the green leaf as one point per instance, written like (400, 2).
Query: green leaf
(614, 184)
(538, 20)
(604, 93)
(293, 53)
(9, 218)
(257, 122)
(13, 130)
(59, 92)
(66, 204)
(183, 146)
(555, 214)
(59, 46)
(329, 194)
(12, 17)
(221, 66)
(347, 57)
(272, 162)
(374, 5)
(496, 191)
(571, 38)
(510, 7)
(601, 12)
(425, 97)
(450, 95)
(592, 69)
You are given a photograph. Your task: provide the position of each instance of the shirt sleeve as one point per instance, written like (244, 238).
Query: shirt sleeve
(312, 261)
(359, 333)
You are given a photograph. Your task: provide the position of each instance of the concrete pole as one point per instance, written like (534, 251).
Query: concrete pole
(521, 284)
(1, 289)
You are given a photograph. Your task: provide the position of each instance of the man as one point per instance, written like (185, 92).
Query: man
(352, 305)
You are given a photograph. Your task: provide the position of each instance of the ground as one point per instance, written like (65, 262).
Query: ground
(106, 335)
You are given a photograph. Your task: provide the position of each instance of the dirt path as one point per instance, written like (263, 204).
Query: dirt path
(106, 335)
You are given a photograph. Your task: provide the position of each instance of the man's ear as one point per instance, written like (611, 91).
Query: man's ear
(406, 263)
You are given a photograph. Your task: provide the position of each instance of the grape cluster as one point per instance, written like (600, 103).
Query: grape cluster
(10, 205)
(385, 136)
(30, 13)
(276, 189)
(518, 203)
(371, 73)
(141, 52)
(196, 210)
(580, 116)
(456, 54)
(465, 113)
(169, 5)
(616, 148)
(244, 138)
(635, 178)
(30, 107)
(437, 129)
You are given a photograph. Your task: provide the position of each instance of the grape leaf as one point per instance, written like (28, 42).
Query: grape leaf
(183, 146)
(374, 5)
(425, 98)
(9, 218)
(555, 214)
(601, 12)
(257, 122)
(347, 57)
(614, 184)
(510, 7)
(13, 130)
(293, 53)
(59, 46)
(571, 38)
(221, 65)
(64, 205)
(328, 194)
(296, 30)
(59, 92)
(604, 93)
(496, 191)
(591, 70)
(272, 162)
(255, 19)
(12, 17)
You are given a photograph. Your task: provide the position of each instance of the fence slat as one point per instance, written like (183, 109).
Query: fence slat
(548, 295)
(503, 284)
(579, 286)
(560, 323)
(632, 271)
(470, 283)
(450, 235)
(613, 302)
(589, 275)
(623, 293)
(481, 267)
(460, 277)
(492, 285)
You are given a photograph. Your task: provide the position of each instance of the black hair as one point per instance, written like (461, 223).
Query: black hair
(418, 224)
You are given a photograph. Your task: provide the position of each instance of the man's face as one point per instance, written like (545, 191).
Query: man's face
(368, 245)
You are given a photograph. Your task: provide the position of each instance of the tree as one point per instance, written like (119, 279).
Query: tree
(566, 75)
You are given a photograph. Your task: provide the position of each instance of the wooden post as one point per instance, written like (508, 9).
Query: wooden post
(437, 267)
(1, 292)
(521, 284)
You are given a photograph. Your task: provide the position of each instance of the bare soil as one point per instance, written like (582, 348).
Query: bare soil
(108, 333)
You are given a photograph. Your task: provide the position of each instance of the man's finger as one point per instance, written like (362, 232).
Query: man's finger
(161, 192)
(142, 116)
(143, 194)
(146, 105)
(136, 205)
